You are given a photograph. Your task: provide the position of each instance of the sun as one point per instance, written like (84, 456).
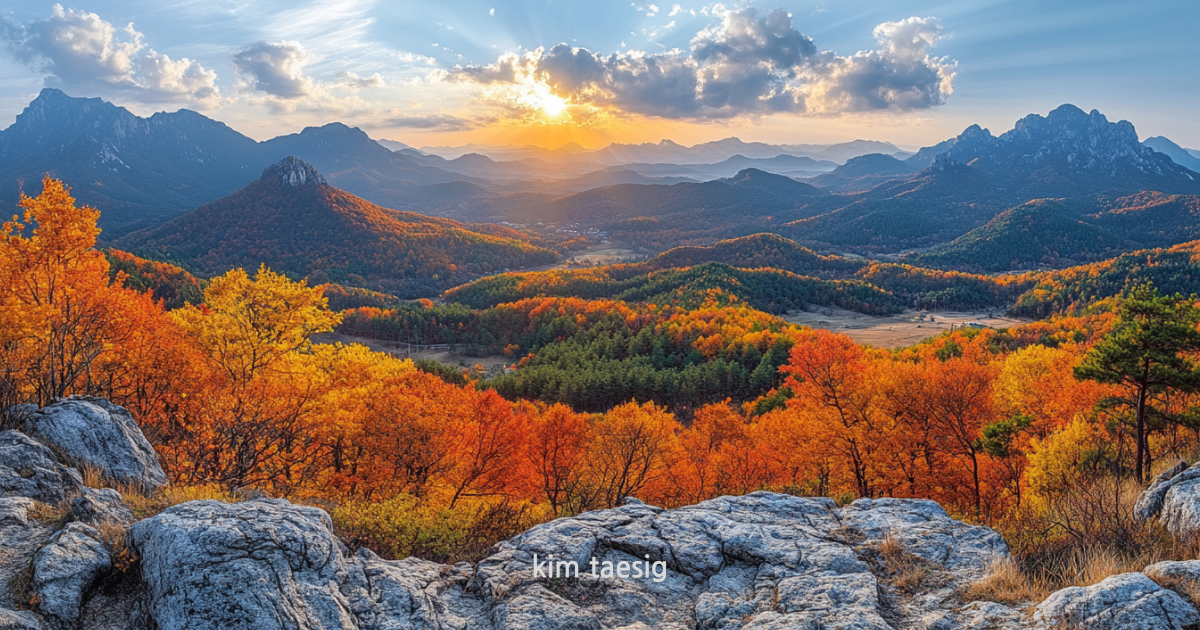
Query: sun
(552, 105)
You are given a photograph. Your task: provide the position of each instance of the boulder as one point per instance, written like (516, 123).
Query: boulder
(1150, 503)
(96, 507)
(758, 561)
(30, 469)
(924, 529)
(259, 565)
(1130, 601)
(65, 570)
(21, 535)
(95, 432)
(1180, 512)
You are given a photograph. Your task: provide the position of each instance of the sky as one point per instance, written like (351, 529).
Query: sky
(549, 72)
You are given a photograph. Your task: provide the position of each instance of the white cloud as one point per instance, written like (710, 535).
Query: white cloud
(747, 65)
(353, 81)
(80, 50)
(275, 68)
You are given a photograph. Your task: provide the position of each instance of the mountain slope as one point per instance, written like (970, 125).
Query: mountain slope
(293, 221)
(863, 173)
(1069, 153)
(137, 170)
(142, 171)
(749, 193)
(1178, 154)
(1171, 270)
(1038, 232)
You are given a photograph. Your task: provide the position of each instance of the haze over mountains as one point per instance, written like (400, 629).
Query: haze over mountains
(861, 197)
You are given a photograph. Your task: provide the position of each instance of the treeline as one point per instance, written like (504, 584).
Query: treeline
(932, 289)
(770, 290)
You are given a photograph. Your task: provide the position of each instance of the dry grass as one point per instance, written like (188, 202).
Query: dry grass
(56, 515)
(1008, 582)
(116, 537)
(1005, 583)
(146, 506)
(904, 571)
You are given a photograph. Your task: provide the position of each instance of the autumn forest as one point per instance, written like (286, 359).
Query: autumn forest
(672, 388)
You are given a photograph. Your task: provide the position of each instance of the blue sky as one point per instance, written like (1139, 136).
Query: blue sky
(454, 72)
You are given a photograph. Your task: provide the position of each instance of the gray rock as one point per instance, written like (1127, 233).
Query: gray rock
(19, 620)
(258, 565)
(977, 616)
(762, 561)
(1185, 571)
(925, 530)
(1180, 512)
(1150, 501)
(21, 536)
(65, 570)
(96, 507)
(1130, 601)
(95, 432)
(30, 469)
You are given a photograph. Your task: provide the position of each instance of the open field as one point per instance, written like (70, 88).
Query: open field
(491, 364)
(605, 253)
(896, 331)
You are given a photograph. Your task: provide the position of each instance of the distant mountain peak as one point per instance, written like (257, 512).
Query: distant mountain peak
(292, 171)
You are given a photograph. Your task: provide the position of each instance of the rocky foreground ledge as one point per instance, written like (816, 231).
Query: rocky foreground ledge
(758, 562)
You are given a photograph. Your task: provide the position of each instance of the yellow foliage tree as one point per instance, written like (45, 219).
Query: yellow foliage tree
(247, 324)
(58, 314)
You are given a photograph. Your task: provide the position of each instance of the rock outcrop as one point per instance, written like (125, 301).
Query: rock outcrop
(1174, 498)
(65, 570)
(1130, 601)
(95, 432)
(758, 561)
(20, 537)
(97, 507)
(19, 620)
(256, 565)
(30, 469)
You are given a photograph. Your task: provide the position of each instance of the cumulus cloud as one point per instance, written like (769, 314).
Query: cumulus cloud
(273, 73)
(275, 68)
(747, 64)
(79, 50)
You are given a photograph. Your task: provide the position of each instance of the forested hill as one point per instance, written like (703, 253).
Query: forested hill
(293, 221)
(1172, 270)
(765, 270)
(770, 290)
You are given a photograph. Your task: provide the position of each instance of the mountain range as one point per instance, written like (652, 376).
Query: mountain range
(860, 197)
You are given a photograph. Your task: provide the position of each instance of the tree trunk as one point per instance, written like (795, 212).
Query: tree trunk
(1140, 435)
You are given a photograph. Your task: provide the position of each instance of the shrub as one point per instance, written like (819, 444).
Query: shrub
(405, 526)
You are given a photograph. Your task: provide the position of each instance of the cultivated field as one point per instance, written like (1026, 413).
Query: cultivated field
(896, 331)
